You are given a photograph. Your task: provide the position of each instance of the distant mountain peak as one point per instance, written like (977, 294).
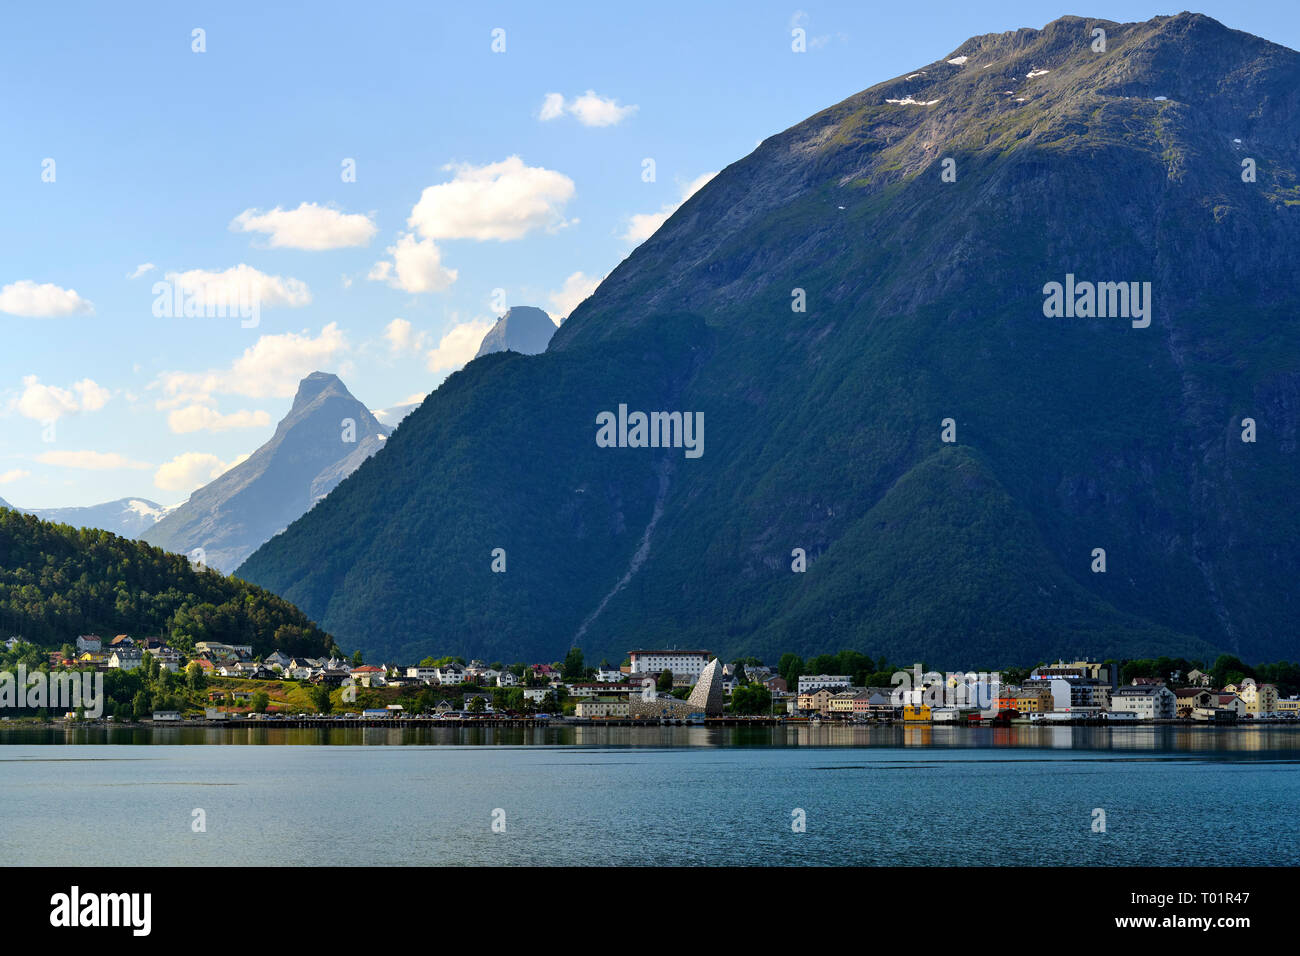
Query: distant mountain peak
(524, 328)
(309, 454)
(317, 384)
(127, 517)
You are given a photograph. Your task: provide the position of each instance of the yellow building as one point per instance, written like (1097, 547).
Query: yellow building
(1258, 698)
(843, 703)
(818, 700)
(603, 707)
(1037, 700)
(911, 712)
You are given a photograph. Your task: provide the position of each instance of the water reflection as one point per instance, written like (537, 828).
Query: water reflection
(1164, 738)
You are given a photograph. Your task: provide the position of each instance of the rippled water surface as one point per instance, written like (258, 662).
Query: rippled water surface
(870, 796)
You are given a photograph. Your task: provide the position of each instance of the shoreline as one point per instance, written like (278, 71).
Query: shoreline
(525, 723)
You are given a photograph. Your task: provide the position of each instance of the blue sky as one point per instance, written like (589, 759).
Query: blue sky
(198, 165)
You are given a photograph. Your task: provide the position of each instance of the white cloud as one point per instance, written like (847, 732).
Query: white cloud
(458, 346)
(552, 107)
(43, 301)
(402, 337)
(90, 460)
(93, 397)
(642, 226)
(416, 266)
(589, 109)
(191, 470)
(140, 270)
(577, 287)
(505, 200)
(194, 418)
(242, 283)
(14, 474)
(45, 403)
(271, 367)
(308, 227)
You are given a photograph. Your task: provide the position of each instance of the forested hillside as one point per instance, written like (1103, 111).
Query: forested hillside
(57, 582)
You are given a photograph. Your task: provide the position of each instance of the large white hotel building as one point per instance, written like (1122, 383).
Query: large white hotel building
(685, 665)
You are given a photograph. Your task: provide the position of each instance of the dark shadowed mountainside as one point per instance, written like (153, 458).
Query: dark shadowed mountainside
(923, 300)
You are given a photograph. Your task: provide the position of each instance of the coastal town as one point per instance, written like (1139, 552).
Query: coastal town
(219, 682)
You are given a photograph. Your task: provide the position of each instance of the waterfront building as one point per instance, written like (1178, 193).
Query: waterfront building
(707, 698)
(1191, 699)
(811, 682)
(818, 701)
(842, 704)
(604, 707)
(1032, 699)
(686, 665)
(1071, 691)
(588, 689)
(1146, 702)
(1260, 699)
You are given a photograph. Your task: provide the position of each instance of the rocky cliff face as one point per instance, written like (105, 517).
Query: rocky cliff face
(861, 288)
(522, 329)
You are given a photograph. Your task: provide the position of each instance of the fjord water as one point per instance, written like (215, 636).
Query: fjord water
(600, 796)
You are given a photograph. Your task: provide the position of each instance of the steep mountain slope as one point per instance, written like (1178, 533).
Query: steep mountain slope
(924, 300)
(127, 517)
(314, 448)
(523, 329)
(57, 582)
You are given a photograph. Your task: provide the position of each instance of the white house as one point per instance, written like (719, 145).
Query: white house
(507, 679)
(608, 675)
(537, 694)
(451, 674)
(127, 659)
(420, 672)
(1149, 701)
(810, 683)
(369, 676)
(88, 642)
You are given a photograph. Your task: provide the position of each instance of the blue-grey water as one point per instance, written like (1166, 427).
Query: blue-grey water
(604, 795)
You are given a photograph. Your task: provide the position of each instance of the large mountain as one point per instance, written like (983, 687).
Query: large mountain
(127, 517)
(925, 294)
(322, 440)
(522, 329)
